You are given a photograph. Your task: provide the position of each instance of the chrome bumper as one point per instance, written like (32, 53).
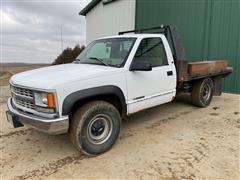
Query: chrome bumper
(50, 126)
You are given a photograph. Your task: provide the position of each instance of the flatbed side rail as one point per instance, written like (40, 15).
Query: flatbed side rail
(223, 73)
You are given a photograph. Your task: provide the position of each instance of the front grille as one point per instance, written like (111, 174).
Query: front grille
(22, 91)
(22, 98)
(25, 104)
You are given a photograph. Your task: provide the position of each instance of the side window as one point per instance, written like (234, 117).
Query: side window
(151, 50)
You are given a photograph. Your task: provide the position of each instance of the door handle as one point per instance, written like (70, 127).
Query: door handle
(169, 73)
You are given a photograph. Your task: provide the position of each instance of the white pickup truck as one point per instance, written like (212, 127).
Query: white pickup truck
(111, 79)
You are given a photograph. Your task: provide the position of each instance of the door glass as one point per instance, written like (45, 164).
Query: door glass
(151, 50)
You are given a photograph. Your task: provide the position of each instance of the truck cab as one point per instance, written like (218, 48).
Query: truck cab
(111, 79)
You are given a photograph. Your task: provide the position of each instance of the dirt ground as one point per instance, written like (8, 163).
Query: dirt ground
(172, 141)
(8, 69)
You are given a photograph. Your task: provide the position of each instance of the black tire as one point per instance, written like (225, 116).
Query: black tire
(95, 127)
(202, 92)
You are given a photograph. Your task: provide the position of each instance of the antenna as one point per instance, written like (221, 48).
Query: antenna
(61, 38)
(62, 42)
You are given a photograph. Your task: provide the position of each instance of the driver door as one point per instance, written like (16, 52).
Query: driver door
(150, 88)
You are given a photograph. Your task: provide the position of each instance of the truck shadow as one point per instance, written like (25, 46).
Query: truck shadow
(181, 103)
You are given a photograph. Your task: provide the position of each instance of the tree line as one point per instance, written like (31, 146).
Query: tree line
(68, 55)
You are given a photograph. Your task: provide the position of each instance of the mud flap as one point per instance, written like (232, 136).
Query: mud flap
(13, 119)
(217, 86)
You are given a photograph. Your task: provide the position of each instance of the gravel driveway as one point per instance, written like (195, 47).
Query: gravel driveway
(172, 141)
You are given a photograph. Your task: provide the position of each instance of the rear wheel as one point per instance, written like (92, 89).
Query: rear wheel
(202, 92)
(95, 127)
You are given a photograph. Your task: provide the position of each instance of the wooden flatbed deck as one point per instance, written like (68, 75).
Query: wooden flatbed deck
(202, 69)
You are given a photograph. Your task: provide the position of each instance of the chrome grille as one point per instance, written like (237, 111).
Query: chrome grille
(22, 91)
(22, 98)
(25, 104)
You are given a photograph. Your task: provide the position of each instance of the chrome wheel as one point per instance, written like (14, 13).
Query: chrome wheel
(206, 93)
(202, 92)
(99, 129)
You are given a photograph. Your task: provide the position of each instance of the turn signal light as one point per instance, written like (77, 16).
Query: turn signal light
(51, 101)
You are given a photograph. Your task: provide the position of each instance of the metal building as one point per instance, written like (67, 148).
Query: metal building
(209, 29)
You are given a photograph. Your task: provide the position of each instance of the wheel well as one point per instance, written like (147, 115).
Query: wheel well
(187, 86)
(110, 98)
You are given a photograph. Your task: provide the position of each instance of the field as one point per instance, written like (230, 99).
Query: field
(172, 141)
(8, 69)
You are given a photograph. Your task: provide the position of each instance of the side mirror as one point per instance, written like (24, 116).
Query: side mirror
(140, 66)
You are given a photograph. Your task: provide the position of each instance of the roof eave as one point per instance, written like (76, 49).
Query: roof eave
(92, 4)
(89, 7)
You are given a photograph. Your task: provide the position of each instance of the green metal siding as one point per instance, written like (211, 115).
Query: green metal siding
(209, 29)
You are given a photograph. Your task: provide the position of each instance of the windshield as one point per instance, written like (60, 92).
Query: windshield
(107, 52)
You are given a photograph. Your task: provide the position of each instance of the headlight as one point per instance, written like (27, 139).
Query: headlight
(44, 99)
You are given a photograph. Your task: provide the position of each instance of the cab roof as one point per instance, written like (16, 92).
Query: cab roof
(133, 36)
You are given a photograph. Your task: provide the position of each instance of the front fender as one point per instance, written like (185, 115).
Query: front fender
(73, 98)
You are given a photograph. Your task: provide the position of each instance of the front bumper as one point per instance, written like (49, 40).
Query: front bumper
(50, 126)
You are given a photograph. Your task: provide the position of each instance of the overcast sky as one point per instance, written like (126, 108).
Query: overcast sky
(31, 29)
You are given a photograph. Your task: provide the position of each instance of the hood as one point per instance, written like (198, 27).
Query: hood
(49, 77)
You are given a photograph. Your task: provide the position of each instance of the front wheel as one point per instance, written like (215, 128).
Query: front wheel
(95, 127)
(202, 92)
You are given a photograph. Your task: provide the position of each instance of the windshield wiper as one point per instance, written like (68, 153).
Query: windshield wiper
(76, 61)
(100, 60)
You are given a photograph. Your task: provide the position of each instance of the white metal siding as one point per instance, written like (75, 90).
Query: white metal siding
(109, 19)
